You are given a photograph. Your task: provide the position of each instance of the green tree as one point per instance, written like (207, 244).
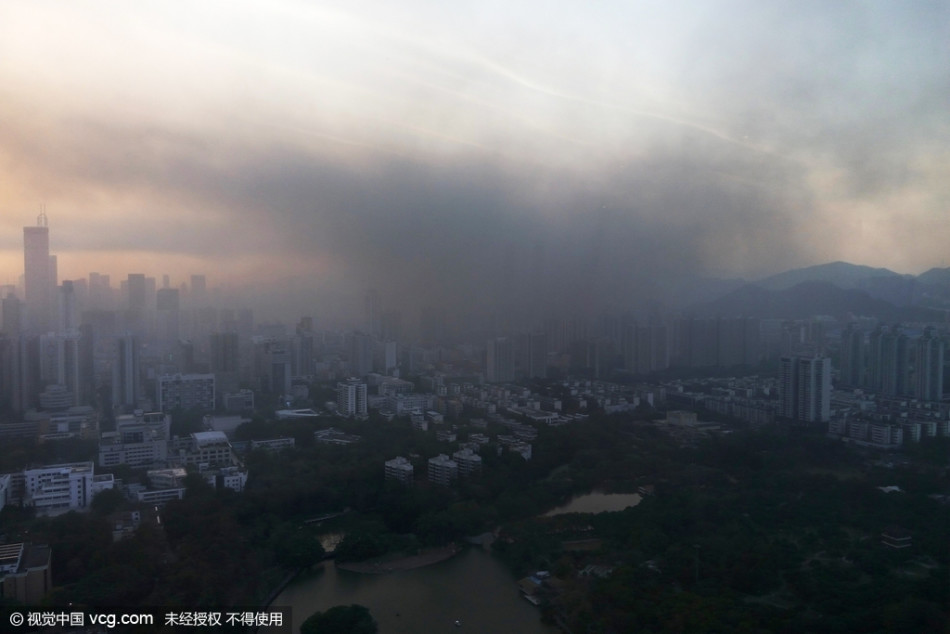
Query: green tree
(342, 619)
(296, 547)
(107, 501)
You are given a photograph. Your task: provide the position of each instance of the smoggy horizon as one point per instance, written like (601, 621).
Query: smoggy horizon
(478, 155)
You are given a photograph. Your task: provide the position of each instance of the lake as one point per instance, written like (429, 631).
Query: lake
(472, 587)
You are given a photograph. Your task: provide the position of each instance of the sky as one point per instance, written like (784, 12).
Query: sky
(474, 153)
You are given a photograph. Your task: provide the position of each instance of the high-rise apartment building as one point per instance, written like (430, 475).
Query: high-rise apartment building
(225, 352)
(888, 362)
(125, 374)
(198, 294)
(929, 367)
(851, 365)
(535, 360)
(60, 363)
(168, 307)
(805, 383)
(186, 392)
(351, 398)
(361, 353)
(499, 360)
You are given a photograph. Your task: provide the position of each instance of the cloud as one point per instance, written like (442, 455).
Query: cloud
(477, 156)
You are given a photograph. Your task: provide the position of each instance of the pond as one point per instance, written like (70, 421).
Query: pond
(597, 502)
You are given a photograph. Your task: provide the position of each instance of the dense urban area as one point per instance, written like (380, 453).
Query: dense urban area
(791, 473)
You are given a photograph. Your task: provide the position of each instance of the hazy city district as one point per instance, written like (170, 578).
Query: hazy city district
(776, 452)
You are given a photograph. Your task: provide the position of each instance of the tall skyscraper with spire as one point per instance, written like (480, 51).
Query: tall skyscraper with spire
(38, 277)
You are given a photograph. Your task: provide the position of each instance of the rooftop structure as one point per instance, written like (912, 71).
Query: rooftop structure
(291, 414)
(204, 447)
(273, 444)
(25, 575)
(333, 436)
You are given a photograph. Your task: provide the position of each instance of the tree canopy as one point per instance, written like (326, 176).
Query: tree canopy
(341, 619)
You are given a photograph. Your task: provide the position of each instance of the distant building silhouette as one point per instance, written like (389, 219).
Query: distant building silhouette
(38, 276)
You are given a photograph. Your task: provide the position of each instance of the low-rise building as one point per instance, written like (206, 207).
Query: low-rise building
(333, 436)
(25, 575)
(63, 487)
(139, 440)
(469, 462)
(160, 496)
(297, 414)
(273, 444)
(446, 435)
(399, 469)
(226, 478)
(166, 478)
(240, 401)
(204, 447)
(124, 524)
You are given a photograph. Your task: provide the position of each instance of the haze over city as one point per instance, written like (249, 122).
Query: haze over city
(629, 316)
(475, 154)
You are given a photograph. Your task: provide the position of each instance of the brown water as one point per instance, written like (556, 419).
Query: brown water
(472, 587)
(597, 503)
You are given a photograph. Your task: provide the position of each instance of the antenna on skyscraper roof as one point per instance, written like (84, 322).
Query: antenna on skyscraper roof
(41, 219)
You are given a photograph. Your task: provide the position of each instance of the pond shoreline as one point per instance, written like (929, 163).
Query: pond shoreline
(387, 564)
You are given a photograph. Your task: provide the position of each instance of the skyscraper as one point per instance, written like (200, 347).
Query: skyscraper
(68, 310)
(371, 313)
(806, 388)
(851, 367)
(125, 374)
(135, 310)
(12, 315)
(888, 362)
(361, 354)
(929, 367)
(37, 276)
(499, 360)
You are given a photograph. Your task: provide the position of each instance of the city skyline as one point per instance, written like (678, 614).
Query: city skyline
(477, 153)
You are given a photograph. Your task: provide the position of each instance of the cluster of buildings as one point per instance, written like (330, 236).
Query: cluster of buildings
(441, 470)
(886, 423)
(54, 489)
(893, 361)
(143, 440)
